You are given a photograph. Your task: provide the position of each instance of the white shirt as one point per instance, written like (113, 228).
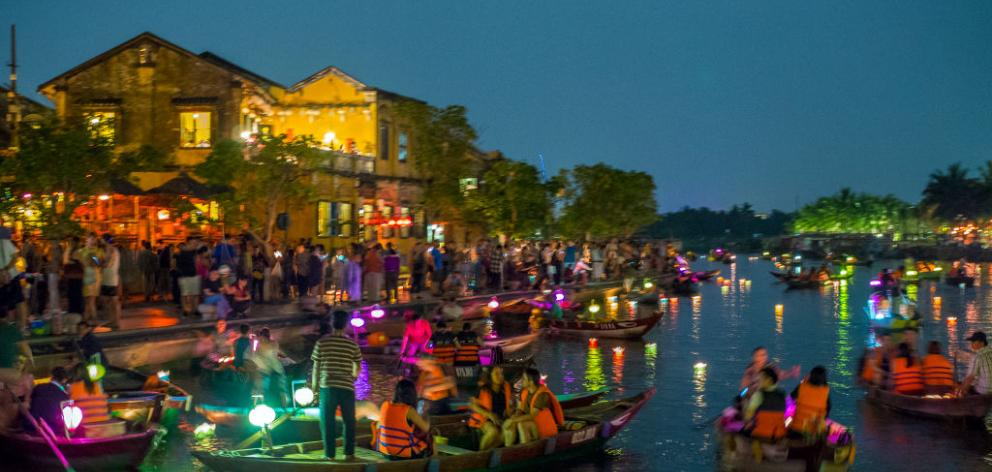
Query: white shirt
(981, 368)
(111, 268)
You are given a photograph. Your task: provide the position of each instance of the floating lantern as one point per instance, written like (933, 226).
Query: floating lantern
(303, 396)
(72, 416)
(651, 348)
(699, 369)
(377, 312)
(357, 322)
(911, 273)
(95, 371)
(779, 309)
(559, 297)
(648, 285)
(724, 289)
(262, 415)
(875, 283)
(952, 320)
(594, 308)
(961, 285)
(493, 303)
(593, 342)
(204, 431)
(719, 280)
(163, 375)
(937, 301)
(618, 351)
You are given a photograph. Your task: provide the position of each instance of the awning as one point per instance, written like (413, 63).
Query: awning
(184, 185)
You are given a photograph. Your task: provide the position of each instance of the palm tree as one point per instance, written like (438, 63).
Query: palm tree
(952, 194)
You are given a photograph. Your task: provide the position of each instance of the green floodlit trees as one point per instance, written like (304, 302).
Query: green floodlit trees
(850, 212)
(512, 199)
(600, 201)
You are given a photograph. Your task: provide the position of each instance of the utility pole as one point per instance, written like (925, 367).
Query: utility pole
(13, 110)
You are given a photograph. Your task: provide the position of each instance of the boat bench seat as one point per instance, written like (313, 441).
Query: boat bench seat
(451, 450)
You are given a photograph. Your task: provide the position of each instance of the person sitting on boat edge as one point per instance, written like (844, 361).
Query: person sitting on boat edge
(490, 407)
(874, 364)
(752, 374)
(812, 398)
(401, 433)
(907, 374)
(89, 397)
(435, 386)
(979, 378)
(938, 372)
(538, 414)
(765, 411)
(47, 399)
(469, 344)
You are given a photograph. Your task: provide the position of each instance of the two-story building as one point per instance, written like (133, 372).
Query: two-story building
(149, 91)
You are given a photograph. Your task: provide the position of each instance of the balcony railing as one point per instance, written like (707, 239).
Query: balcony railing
(351, 163)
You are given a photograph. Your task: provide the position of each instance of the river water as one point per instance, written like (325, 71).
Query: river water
(720, 327)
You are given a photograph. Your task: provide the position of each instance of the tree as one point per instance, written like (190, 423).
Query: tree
(58, 168)
(262, 178)
(953, 194)
(600, 201)
(512, 199)
(441, 143)
(850, 212)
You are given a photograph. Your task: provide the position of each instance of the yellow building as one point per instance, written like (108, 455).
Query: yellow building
(148, 91)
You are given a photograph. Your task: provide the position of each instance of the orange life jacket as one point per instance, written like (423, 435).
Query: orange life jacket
(394, 434)
(907, 380)
(769, 420)
(811, 407)
(468, 352)
(486, 402)
(444, 350)
(93, 404)
(873, 361)
(547, 419)
(937, 371)
(428, 381)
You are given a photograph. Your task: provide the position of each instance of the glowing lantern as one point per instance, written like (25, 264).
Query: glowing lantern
(779, 309)
(493, 303)
(95, 371)
(163, 375)
(618, 351)
(875, 283)
(559, 297)
(357, 322)
(303, 396)
(910, 273)
(699, 369)
(650, 348)
(204, 431)
(594, 308)
(72, 416)
(104, 198)
(378, 312)
(937, 301)
(593, 342)
(163, 214)
(262, 415)
(952, 320)
(648, 285)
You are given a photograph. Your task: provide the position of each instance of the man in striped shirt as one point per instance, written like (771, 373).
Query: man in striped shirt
(980, 370)
(335, 366)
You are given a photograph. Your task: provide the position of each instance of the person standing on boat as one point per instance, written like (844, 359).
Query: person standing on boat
(538, 413)
(335, 366)
(490, 407)
(468, 347)
(979, 378)
(415, 335)
(751, 379)
(400, 431)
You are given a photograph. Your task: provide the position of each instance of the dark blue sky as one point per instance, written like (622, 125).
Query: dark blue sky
(770, 102)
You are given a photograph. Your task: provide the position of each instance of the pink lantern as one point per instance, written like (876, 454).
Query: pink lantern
(357, 322)
(493, 303)
(72, 416)
(378, 312)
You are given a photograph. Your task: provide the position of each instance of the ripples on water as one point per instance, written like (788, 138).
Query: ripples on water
(720, 327)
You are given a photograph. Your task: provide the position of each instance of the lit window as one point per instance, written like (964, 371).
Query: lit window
(194, 129)
(334, 219)
(387, 215)
(403, 146)
(405, 228)
(102, 125)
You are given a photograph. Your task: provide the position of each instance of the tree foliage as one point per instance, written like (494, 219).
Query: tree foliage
(262, 179)
(953, 194)
(850, 212)
(62, 165)
(441, 141)
(740, 222)
(601, 201)
(511, 199)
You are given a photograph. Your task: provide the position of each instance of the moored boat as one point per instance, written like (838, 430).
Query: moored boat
(22, 451)
(615, 329)
(969, 406)
(587, 429)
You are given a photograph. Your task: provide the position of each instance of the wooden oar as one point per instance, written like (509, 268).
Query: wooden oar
(261, 432)
(47, 434)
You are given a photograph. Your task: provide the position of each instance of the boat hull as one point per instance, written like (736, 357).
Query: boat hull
(86, 454)
(974, 406)
(627, 329)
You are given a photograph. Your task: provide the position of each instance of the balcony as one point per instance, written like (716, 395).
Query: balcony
(350, 163)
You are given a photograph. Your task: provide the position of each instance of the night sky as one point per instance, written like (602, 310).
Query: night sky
(770, 102)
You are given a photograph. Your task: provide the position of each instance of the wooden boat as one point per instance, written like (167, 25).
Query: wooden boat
(737, 453)
(958, 280)
(702, 276)
(796, 284)
(132, 397)
(587, 429)
(616, 329)
(971, 406)
(22, 451)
